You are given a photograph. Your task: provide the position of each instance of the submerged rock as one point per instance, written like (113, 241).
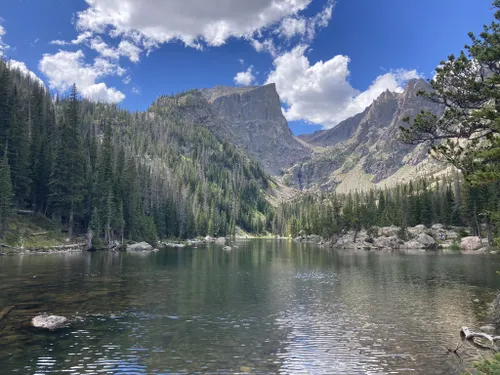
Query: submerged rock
(50, 322)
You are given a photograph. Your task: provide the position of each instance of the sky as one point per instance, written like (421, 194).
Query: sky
(329, 59)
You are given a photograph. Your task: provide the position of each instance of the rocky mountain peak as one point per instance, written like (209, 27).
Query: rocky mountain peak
(249, 117)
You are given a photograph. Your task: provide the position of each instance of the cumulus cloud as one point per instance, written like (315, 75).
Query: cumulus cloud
(211, 21)
(321, 93)
(65, 68)
(245, 78)
(21, 66)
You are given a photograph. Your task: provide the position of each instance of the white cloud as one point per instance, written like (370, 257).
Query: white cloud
(82, 37)
(101, 47)
(125, 48)
(245, 78)
(266, 45)
(65, 68)
(305, 27)
(190, 21)
(3, 46)
(292, 26)
(130, 50)
(21, 66)
(321, 93)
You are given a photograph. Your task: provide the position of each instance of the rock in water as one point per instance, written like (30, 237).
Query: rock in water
(50, 322)
(228, 248)
(141, 246)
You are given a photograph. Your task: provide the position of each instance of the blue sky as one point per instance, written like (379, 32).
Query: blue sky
(328, 59)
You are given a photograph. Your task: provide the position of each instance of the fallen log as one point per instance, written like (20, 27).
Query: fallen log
(39, 233)
(25, 212)
(470, 335)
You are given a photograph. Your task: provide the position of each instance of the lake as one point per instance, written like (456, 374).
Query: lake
(266, 307)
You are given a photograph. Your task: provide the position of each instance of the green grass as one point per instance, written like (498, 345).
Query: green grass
(31, 232)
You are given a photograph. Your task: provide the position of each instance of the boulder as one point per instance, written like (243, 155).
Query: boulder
(471, 243)
(50, 322)
(220, 240)
(141, 246)
(314, 238)
(173, 244)
(438, 227)
(427, 241)
(391, 242)
(227, 248)
(389, 231)
(413, 244)
(417, 229)
(113, 245)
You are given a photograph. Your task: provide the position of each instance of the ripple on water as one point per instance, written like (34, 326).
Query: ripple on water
(268, 308)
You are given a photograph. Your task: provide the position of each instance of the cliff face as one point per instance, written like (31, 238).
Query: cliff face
(365, 144)
(250, 118)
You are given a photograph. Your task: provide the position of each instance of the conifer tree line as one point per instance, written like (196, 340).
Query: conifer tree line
(121, 175)
(448, 201)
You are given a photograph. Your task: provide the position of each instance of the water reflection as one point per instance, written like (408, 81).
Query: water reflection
(267, 307)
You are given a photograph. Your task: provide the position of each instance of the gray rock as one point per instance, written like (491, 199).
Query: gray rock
(392, 242)
(389, 231)
(438, 227)
(220, 240)
(173, 245)
(471, 243)
(141, 246)
(413, 244)
(50, 322)
(427, 241)
(113, 245)
(227, 248)
(194, 242)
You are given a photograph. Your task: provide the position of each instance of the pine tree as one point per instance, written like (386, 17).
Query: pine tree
(6, 193)
(67, 175)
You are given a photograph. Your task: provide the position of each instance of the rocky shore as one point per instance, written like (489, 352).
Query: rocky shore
(412, 238)
(80, 246)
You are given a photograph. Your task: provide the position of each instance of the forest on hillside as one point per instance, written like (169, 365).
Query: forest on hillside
(121, 175)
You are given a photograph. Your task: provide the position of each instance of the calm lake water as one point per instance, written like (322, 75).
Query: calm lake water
(267, 307)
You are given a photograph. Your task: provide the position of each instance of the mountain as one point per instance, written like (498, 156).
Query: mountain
(249, 118)
(364, 150)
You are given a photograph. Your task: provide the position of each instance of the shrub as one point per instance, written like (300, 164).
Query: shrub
(455, 246)
(489, 366)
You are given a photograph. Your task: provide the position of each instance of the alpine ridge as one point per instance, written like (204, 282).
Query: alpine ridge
(364, 150)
